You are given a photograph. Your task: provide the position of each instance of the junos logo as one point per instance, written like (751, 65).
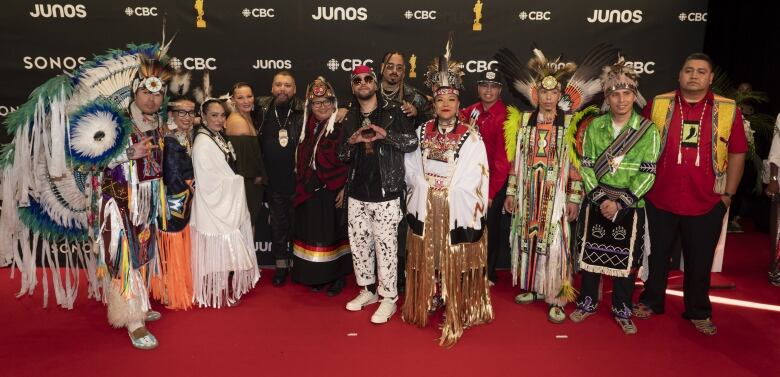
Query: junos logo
(258, 12)
(272, 64)
(52, 62)
(420, 14)
(615, 16)
(5, 110)
(642, 68)
(141, 11)
(693, 17)
(199, 64)
(340, 14)
(59, 11)
(347, 64)
(263, 247)
(535, 15)
(476, 66)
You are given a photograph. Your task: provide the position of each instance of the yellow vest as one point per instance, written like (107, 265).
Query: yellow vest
(723, 112)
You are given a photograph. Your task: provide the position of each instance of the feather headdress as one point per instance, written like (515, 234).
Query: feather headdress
(581, 81)
(444, 72)
(620, 76)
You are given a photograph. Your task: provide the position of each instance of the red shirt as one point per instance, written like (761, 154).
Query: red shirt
(491, 126)
(686, 189)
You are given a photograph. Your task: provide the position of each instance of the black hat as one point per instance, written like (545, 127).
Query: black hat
(489, 76)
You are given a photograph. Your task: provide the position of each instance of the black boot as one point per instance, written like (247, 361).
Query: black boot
(280, 276)
(336, 287)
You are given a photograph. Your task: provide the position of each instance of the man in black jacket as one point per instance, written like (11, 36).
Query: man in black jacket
(376, 136)
(279, 119)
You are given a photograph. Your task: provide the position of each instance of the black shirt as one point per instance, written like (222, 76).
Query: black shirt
(279, 161)
(366, 185)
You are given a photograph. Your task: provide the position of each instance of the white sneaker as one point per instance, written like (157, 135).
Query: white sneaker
(385, 311)
(365, 298)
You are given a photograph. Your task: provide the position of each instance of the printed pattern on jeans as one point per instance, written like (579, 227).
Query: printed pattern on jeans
(373, 229)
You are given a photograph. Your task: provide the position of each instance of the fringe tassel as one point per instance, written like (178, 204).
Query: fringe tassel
(464, 286)
(127, 307)
(174, 285)
(214, 257)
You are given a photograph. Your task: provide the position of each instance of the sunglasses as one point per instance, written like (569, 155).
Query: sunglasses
(182, 113)
(367, 79)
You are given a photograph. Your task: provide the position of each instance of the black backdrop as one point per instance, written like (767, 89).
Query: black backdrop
(246, 40)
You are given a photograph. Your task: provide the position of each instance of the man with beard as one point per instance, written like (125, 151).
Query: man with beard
(417, 108)
(376, 136)
(490, 122)
(698, 174)
(278, 119)
(414, 104)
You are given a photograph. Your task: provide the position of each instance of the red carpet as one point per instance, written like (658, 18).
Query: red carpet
(292, 332)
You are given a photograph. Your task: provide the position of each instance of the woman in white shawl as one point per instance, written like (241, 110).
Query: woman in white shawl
(222, 240)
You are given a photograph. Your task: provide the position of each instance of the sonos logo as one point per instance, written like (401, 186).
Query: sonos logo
(141, 11)
(473, 66)
(59, 11)
(615, 16)
(693, 17)
(346, 64)
(199, 64)
(535, 15)
(5, 110)
(647, 68)
(272, 64)
(340, 14)
(258, 12)
(52, 62)
(420, 14)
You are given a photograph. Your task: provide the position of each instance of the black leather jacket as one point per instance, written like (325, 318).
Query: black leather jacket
(263, 104)
(400, 140)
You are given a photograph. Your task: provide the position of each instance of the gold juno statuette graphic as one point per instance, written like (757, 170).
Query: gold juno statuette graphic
(200, 23)
(477, 16)
(412, 66)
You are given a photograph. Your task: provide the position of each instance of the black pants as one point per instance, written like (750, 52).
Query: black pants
(498, 224)
(699, 236)
(281, 211)
(622, 290)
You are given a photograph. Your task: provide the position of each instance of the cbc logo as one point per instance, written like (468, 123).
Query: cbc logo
(420, 14)
(693, 17)
(258, 12)
(615, 16)
(535, 15)
(59, 11)
(646, 68)
(346, 64)
(199, 64)
(52, 62)
(141, 11)
(272, 64)
(340, 14)
(476, 66)
(5, 110)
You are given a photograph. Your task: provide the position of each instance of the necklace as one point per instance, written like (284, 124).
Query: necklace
(284, 138)
(225, 146)
(446, 126)
(184, 139)
(682, 129)
(390, 94)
